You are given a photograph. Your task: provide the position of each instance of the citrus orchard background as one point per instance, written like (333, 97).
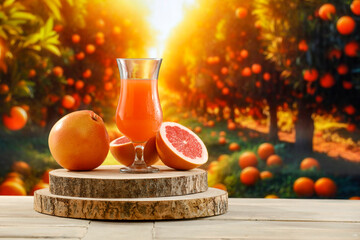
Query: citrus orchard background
(239, 73)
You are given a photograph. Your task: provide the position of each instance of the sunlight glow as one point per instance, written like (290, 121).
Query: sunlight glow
(164, 16)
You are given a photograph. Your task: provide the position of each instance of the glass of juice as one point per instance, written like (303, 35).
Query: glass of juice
(138, 113)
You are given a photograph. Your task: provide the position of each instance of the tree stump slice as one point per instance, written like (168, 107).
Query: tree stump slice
(108, 182)
(210, 203)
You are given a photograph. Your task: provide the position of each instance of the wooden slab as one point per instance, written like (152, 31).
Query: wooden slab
(108, 182)
(210, 203)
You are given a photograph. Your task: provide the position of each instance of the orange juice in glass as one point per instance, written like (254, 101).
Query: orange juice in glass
(139, 114)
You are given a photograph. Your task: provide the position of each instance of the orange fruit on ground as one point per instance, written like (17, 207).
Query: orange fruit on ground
(265, 175)
(256, 68)
(310, 75)
(220, 186)
(79, 141)
(325, 187)
(326, 11)
(87, 73)
(247, 159)
(75, 38)
(351, 49)
(80, 56)
(12, 189)
(345, 25)
(327, 80)
(68, 101)
(249, 175)
(265, 150)
(222, 140)
(244, 53)
(241, 12)
(271, 196)
(124, 152)
(21, 167)
(342, 69)
(355, 7)
(354, 198)
(309, 163)
(198, 129)
(4, 88)
(38, 186)
(302, 46)
(180, 148)
(266, 76)
(274, 160)
(58, 71)
(90, 49)
(234, 147)
(45, 177)
(16, 119)
(304, 187)
(246, 72)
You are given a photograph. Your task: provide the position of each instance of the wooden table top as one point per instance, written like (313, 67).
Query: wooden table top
(246, 219)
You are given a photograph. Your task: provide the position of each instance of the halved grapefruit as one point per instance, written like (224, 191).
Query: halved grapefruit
(124, 152)
(180, 148)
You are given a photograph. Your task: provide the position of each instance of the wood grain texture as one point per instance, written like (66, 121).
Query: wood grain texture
(210, 203)
(108, 182)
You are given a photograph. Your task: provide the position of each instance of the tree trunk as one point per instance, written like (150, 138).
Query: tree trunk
(304, 129)
(274, 129)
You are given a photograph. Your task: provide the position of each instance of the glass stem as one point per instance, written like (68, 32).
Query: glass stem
(139, 155)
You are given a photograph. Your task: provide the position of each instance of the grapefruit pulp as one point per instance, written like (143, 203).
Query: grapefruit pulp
(124, 152)
(180, 148)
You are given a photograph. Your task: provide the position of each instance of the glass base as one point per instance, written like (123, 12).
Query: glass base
(142, 169)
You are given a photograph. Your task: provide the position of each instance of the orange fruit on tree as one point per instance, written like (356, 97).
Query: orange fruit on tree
(274, 160)
(99, 38)
(87, 99)
(345, 25)
(266, 76)
(12, 189)
(222, 157)
(335, 53)
(197, 129)
(222, 133)
(309, 163)
(224, 70)
(180, 148)
(234, 147)
(222, 140)
(271, 196)
(350, 109)
(58, 28)
(75, 38)
(70, 81)
(266, 175)
(326, 11)
(244, 53)
(246, 72)
(68, 101)
(90, 49)
(342, 69)
(304, 187)
(45, 177)
(231, 126)
(124, 152)
(347, 85)
(32, 73)
(4, 88)
(21, 167)
(79, 84)
(225, 91)
(247, 159)
(355, 7)
(80, 56)
(310, 75)
(302, 46)
(351, 127)
(210, 123)
(38, 186)
(256, 68)
(87, 73)
(327, 81)
(220, 186)
(79, 141)
(108, 86)
(241, 12)
(265, 150)
(58, 71)
(249, 176)
(351, 49)
(16, 119)
(325, 187)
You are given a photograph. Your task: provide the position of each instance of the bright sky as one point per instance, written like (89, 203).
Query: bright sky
(165, 15)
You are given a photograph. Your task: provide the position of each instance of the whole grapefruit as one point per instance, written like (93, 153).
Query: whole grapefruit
(180, 148)
(79, 141)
